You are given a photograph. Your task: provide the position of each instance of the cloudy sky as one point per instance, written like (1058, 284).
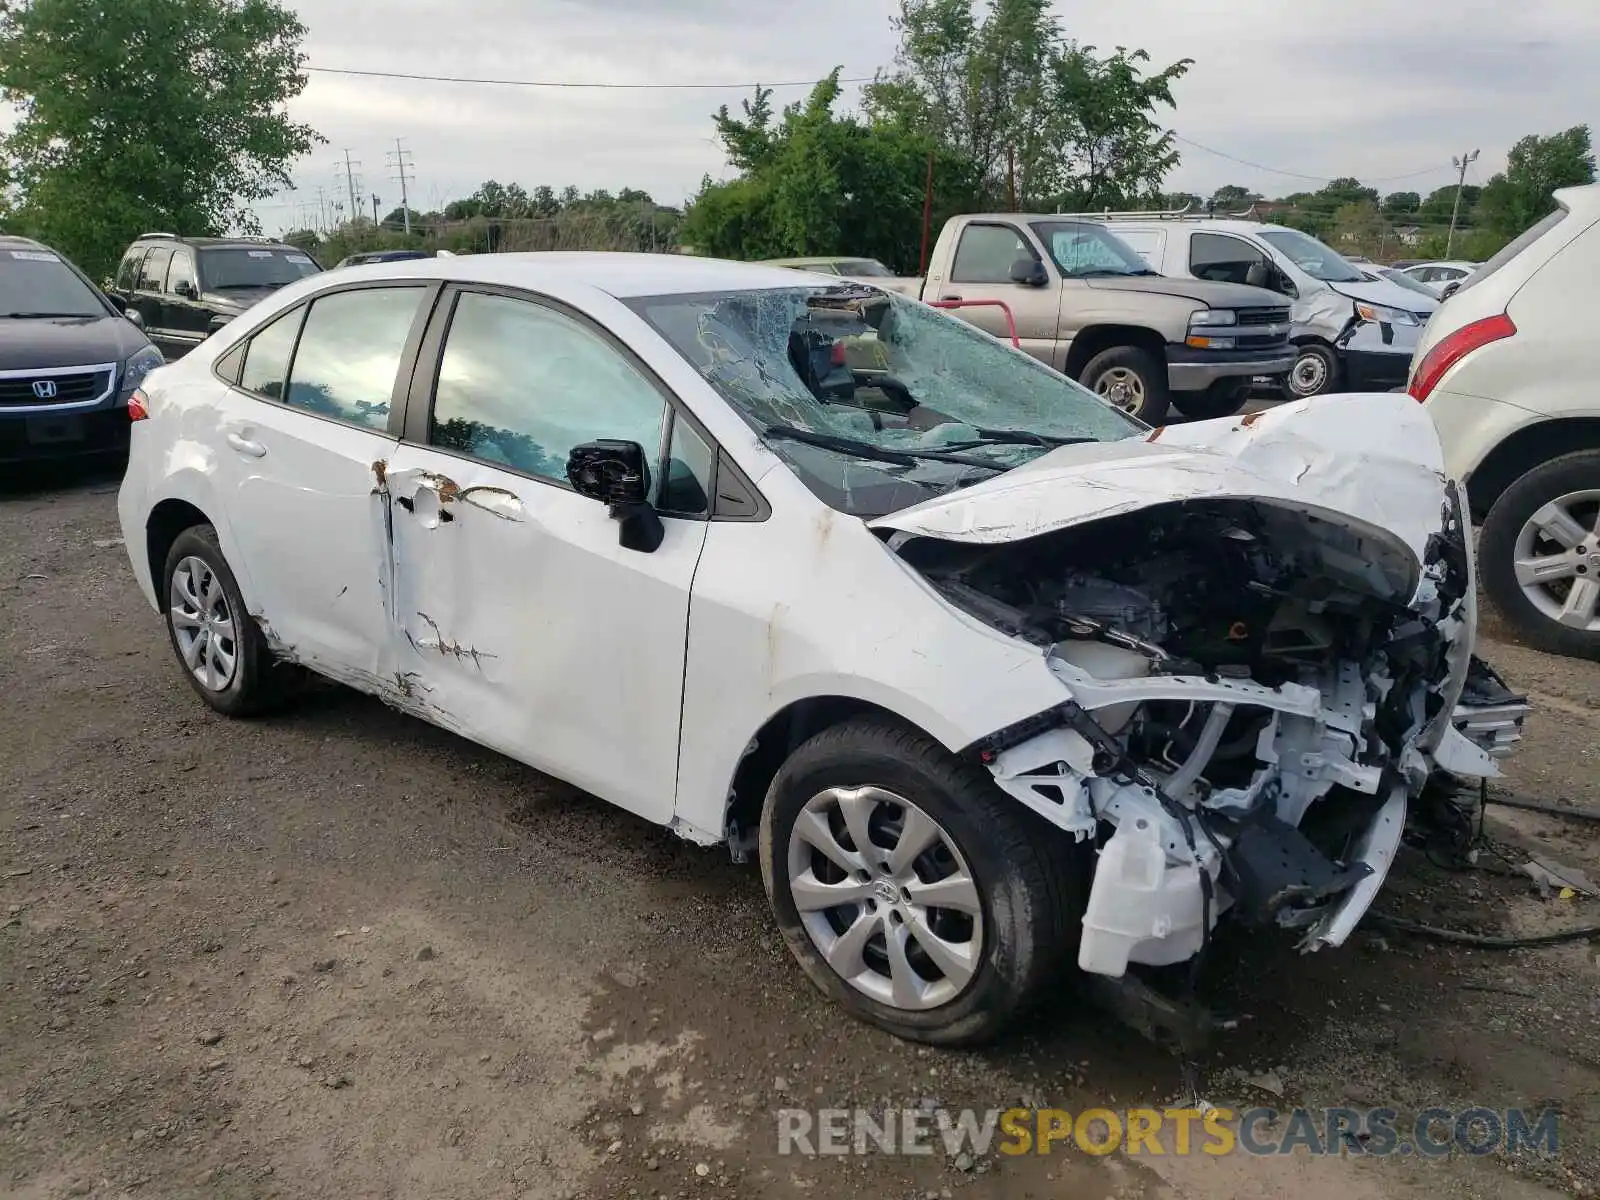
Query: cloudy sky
(1316, 88)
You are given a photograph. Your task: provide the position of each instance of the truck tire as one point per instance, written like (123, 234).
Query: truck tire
(1221, 399)
(1131, 379)
(1548, 590)
(1315, 371)
(955, 916)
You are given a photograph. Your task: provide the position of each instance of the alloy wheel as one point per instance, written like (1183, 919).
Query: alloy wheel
(203, 624)
(886, 897)
(1557, 560)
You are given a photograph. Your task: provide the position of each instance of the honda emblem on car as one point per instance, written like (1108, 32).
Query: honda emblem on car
(45, 389)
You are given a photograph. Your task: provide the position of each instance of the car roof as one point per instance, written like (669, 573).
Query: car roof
(212, 243)
(14, 241)
(621, 275)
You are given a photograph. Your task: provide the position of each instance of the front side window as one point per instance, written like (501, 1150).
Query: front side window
(877, 401)
(37, 283)
(1311, 256)
(266, 357)
(349, 353)
(234, 268)
(128, 272)
(986, 254)
(1085, 250)
(153, 275)
(521, 384)
(1222, 259)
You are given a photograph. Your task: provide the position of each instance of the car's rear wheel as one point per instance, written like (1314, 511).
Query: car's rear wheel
(910, 888)
(1221, 399)
(1315, 371)
(221, 649)
(1131, 379)
(1539, 555)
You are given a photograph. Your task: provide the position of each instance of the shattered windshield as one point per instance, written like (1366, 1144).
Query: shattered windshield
(877, 401)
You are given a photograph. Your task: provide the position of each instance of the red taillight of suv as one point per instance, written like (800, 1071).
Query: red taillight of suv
(138, 406)
(1453, 348)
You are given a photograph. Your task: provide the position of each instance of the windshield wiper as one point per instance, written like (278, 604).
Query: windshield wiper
(904, 458)
(20, 316)
(1017, 437)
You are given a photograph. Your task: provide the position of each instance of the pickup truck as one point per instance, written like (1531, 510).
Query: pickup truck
(1085, 303)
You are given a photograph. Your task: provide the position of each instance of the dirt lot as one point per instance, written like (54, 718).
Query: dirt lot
(340, 953)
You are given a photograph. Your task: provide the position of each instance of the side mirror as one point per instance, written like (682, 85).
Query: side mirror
(185, 289)
(1258, 274)
(1450, 289)
(1029, 272)
(616, 474)
(133, 315)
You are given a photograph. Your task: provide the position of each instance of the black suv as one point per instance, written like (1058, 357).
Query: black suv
(69, 360)
(382, 256)
(182, 290)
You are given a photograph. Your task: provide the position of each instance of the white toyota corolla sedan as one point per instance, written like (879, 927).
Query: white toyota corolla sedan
(988, 674)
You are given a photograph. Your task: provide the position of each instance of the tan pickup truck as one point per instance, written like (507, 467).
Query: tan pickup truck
(1087, 304)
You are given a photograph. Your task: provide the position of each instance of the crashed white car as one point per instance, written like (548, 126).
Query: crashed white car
(816, 570)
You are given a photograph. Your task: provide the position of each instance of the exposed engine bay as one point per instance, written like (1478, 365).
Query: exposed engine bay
(1256, 693)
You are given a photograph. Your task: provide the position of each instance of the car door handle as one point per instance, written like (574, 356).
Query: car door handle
(245, 445)
(949, 296)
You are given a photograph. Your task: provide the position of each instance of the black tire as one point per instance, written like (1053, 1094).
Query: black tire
(1328, 378)
(1221, 399)
(1152, 373)
(1027, 875)
(1497, 552)
(258, 684)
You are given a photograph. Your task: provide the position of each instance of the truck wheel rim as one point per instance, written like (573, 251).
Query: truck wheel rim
(1121, 388)
(1309, 375)
(886, 897)
(202, 624)
(1557, 560)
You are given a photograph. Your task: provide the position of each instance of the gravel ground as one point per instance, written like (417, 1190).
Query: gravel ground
(341, 953)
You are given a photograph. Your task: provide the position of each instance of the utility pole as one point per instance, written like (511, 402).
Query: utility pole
(322, 209)
(400, 160)
(375, 203)
(353, 183)
(1461, 164)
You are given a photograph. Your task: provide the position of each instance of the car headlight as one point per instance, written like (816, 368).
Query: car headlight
(141, 364)
(1380, 314)
(1213, 316)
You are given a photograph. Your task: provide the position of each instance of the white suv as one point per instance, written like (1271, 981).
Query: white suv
(823, 573)
(1507, 371)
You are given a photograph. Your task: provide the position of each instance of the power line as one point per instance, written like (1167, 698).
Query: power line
(574, 83)
(1244, 162)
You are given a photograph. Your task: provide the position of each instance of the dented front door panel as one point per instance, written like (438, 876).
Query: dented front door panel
(520, 621)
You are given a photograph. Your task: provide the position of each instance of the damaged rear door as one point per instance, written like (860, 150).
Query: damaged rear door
(519, 619)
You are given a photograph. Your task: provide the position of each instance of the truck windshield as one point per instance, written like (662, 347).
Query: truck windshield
(1083, 249)
(36, 283)
(1311, 256)
(875, 400)
(248, 268)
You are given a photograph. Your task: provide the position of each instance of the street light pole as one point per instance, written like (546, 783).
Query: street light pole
(1461, 164)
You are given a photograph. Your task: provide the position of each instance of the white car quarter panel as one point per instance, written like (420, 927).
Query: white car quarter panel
(811, 603)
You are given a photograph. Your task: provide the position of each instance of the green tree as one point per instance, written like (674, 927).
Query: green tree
(1436, 209)
(1042, 119)
(1536, 167)
(146, 114)
(813, 182)
(1401, 204)
(1231, 198)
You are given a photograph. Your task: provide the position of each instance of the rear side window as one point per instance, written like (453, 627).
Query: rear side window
(128, 272)
(349, 353)
(266, 361)
(986, 254)
(1512, 249)
(153, 275)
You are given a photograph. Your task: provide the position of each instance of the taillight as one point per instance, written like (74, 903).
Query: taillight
(138, 406)
(837, 355)
(1453, 348)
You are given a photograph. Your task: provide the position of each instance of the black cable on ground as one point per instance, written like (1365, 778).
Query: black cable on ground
(1557, 810)
(1486, 941)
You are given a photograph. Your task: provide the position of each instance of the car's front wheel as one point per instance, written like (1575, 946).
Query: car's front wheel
(221, 649)
(1132, 379)
(1539, 555)
(1315, 371)
(910, 888)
